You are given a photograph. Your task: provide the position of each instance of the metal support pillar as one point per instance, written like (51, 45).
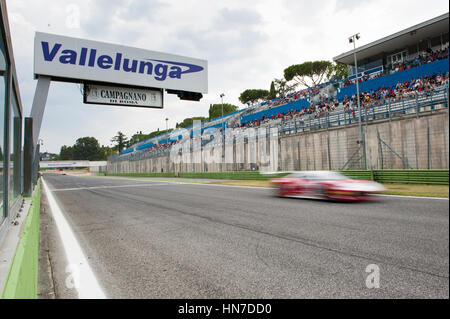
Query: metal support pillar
(31, 152)
(38, 108)
(28, 157)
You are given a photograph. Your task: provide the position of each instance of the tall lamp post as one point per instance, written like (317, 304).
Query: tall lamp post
(353, 39)
(223, 122)
(167, 131)
(223, 132)
(221, 97)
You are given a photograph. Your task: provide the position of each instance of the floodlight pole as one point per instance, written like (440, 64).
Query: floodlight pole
(221, 96)
(167, 131)
(223, 132)
(353, 39)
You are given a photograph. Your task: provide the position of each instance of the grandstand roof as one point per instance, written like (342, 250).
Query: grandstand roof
(409, 36)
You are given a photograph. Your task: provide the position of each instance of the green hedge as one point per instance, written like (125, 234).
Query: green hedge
(22, 278)
(439, 177)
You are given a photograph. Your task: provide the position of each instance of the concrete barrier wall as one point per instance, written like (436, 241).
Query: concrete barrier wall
(22, 278)
(398, 143)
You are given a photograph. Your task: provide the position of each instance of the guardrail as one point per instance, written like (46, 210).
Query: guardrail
(438, 177)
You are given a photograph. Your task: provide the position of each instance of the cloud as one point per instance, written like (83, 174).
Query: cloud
(230, 18)
(246, 43)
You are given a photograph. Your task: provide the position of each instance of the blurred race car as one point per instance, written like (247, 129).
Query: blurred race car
(326, 185)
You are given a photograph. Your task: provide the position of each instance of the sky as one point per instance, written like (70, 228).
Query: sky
(247, 45)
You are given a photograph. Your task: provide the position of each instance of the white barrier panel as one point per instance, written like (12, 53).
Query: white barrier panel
(58, 164)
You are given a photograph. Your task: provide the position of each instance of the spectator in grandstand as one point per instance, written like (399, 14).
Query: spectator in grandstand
(402, 90)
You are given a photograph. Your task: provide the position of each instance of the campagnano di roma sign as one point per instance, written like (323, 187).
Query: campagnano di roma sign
(80, 60)
(111, 95)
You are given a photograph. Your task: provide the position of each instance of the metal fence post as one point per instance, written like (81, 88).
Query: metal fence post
(389, 109)
(329, 153)
(403, 105)
(428, 147)
(431, 101)
(364, 151)
(446, 98)
(417, 105)
(28, 157)
(380, 148)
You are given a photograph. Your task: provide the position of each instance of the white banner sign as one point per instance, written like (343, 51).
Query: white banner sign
(79, 60)
(100, 94)
(58, 164)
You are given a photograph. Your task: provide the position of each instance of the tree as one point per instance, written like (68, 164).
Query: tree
(282, 88)
(309, 74)
(139, 136)
(87, 148)
(158, 132)
(215, 110)
(106, 152)
(66, 153)
(340, 71)
(121, 141)
(253, 95)
(273, 92)
(190, 121)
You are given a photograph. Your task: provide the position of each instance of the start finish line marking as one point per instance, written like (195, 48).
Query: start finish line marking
(105, 187)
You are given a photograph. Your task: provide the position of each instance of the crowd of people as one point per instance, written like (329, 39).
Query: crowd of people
(423, 58)
(295, 96)
(405, 89)
(427, 57)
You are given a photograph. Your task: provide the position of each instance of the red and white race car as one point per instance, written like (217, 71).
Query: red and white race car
(326, 185)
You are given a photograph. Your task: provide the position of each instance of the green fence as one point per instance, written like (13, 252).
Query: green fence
(139, 174)
(22, 278)
(247, 175)
(439, 177)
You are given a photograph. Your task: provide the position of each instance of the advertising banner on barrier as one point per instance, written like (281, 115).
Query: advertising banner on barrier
(112, 95)
(73, 59)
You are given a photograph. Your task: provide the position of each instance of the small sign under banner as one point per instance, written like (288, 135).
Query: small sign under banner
(125, 96)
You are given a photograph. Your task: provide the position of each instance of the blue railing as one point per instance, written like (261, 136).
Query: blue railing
(384, 109)
(392, 79)
(426, 101)
(367, 72)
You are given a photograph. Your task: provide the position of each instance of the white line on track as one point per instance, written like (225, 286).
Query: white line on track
(86, 283)
(257, 187)
(415, 197)
(105, 186)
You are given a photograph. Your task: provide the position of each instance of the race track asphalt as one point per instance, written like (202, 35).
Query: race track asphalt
(156, 239)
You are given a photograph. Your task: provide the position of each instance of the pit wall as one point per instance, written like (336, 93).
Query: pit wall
(398, 143)
(22, 279)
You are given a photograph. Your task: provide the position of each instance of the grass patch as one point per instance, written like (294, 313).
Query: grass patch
(391, 189)
(422, 190)
(417, 190)
(253, 183)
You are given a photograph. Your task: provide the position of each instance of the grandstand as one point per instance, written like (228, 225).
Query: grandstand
(388, 53)
(406, 72)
